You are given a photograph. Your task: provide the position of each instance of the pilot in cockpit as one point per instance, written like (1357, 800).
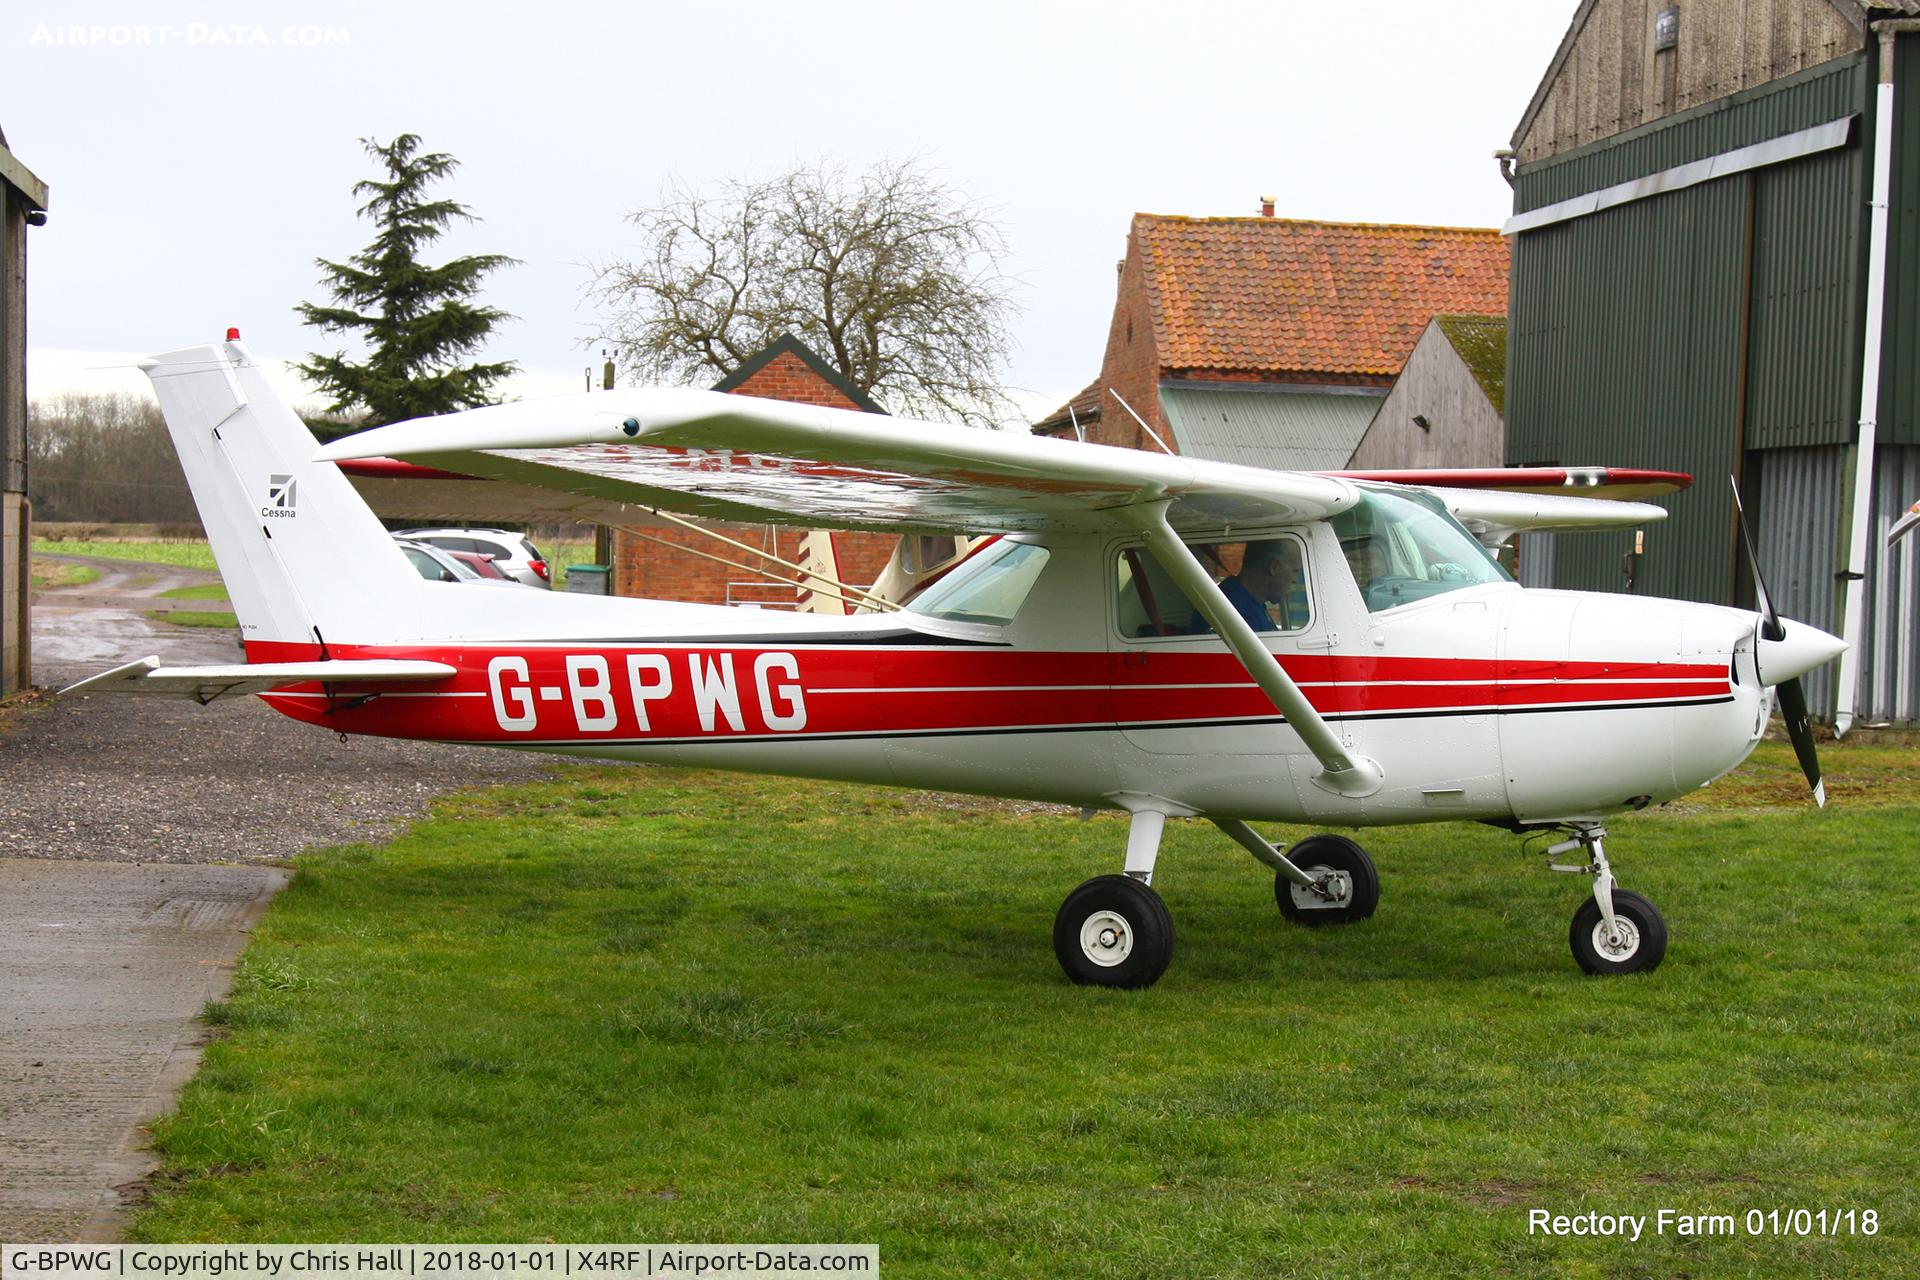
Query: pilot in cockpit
(1268, 573)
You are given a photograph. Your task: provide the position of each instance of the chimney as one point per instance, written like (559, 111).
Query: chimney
(1266, 206)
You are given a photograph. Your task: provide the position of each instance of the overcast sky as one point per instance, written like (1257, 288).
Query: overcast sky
(200, 155)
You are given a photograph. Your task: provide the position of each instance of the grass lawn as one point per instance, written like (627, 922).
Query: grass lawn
(651, 1004)
(52, 576)
(198, 555)
(204, 591)
(185, 555)
(194, 617)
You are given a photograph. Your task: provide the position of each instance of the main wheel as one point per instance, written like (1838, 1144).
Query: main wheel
(1316, 856)
(1639, 946)
(1113, 931)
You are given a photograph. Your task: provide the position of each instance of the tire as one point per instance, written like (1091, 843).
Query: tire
(1113, 931)
(1329, 853)
(1644, 927)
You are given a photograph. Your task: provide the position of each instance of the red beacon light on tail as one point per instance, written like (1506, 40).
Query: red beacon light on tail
(233, 334)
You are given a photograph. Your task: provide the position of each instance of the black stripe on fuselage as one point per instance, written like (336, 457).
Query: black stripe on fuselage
(738, 739)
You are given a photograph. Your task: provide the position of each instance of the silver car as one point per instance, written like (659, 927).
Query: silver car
(438, 565)
(513, 553)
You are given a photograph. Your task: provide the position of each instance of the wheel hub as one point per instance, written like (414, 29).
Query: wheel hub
(1621, 945)
(1106, 938)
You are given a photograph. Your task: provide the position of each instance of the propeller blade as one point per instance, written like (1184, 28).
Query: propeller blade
(1792, 696)
(1774, 630)
(1793, 709)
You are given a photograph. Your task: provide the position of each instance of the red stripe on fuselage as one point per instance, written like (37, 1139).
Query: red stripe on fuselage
(543, 693)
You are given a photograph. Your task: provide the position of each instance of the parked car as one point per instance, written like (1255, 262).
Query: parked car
(514, 553)
(436, 565)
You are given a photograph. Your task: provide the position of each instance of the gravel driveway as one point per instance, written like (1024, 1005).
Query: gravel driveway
(107, 952)
(148, 779)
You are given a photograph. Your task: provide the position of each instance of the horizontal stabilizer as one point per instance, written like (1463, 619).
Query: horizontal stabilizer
(1495, 515)
(204, 684)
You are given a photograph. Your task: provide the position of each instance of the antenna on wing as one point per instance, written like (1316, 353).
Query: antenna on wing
(1078, 434)
(1142, 421)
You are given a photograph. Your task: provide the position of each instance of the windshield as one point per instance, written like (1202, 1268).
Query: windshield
(1404, 547)
(988, 588)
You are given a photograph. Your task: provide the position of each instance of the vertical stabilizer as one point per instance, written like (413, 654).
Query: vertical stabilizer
(304, 560)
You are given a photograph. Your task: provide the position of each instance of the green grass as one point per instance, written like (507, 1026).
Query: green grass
(562, 554)
(664, 1005)
(185, 555)
(52, 577)
(193, 617)
(198, 555)
(204, 591)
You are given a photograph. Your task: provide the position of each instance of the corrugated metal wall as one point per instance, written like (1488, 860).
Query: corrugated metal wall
(1626, 327)
(1803, 367)
(1624, 350)
(1899, 371)
(1890, 664)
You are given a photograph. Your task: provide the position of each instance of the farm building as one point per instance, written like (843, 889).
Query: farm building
(1446, 407)
(1716, 269)
(26, 202)
(1272, 341)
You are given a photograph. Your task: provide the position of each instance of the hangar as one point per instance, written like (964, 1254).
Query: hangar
(1716, 269)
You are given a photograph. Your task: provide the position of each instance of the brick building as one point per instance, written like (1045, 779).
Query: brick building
(1272, 341)
(670, 562)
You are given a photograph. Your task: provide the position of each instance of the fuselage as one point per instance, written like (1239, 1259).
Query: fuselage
(1484, 702)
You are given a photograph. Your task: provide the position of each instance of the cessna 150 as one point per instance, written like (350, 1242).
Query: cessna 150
(1150, 633)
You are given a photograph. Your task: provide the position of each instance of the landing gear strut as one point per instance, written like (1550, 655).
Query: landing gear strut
(1615, 931)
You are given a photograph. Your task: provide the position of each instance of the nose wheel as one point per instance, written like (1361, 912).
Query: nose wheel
(1615, 931)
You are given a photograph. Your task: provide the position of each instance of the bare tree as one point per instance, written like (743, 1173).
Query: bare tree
(891, 275)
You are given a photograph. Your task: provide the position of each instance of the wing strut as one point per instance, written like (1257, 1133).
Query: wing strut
(1341, 771)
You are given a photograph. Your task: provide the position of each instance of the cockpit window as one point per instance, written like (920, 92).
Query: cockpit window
(1404, 547)
(1264, 580)
(988, 588)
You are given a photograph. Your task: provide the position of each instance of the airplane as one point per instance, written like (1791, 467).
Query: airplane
(1097, 649)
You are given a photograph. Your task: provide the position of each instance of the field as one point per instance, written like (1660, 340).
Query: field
(196, 554)
(648, 1004)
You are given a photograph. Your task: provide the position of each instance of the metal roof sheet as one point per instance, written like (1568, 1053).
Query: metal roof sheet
(1266, 426)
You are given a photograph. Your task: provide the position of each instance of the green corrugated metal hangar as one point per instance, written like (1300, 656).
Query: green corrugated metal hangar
(1697, 272)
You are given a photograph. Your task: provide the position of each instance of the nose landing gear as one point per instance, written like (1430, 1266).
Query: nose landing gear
(1615, 931)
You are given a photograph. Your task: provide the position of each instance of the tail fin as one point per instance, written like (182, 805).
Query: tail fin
(303, 557)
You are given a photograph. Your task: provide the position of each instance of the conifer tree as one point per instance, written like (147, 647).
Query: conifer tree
(418, 322)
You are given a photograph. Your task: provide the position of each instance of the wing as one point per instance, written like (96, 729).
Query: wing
(204, 684)
(732, 457)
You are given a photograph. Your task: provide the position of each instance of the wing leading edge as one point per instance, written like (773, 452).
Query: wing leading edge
(743, 458)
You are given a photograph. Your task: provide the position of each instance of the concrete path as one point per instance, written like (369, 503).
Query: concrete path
(103, 967)
(121, 912)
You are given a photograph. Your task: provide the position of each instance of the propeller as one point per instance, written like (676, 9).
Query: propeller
(1798, 649)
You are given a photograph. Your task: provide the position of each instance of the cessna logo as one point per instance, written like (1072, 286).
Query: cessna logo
(279, 497)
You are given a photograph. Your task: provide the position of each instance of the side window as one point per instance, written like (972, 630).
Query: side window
(425, 565)
(1265, 580)
(485, 548)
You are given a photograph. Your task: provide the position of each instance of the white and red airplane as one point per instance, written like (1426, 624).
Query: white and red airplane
(1156, 634)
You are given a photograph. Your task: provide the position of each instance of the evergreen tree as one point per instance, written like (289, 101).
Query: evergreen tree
(417, 321)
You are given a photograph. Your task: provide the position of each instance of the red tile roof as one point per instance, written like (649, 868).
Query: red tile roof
(1276, 296)
(1085, 407)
